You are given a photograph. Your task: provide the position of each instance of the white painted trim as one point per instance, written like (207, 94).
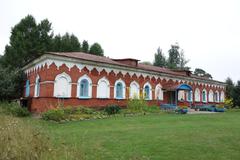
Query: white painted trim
(115, 89)
(69, 87)
(99, 91)
(131, 95)
(150, 88)
(89, 86)
(160, 96)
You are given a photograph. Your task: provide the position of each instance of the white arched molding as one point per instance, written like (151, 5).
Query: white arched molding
(103, 88)
(37, 86)
(147, 91)
(189, 96)
(158, 92)
(216, 96)
(134, 90)
(197, 95)
(204, 95)
(210, 96)
(117, 95)
(62, 86)
(222, 96)
(88, 91)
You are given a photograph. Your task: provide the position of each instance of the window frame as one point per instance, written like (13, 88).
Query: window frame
(37, 87)
(123, 89)
(150, 91)
(159, 86)
(69, 86)
(88, 79)
(103, 79)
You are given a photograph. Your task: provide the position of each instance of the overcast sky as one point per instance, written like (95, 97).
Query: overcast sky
(207, 30)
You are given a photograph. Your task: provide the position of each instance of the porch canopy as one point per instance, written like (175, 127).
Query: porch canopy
(178, 87)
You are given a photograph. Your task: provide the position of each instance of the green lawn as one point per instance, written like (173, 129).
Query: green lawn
(160, 137)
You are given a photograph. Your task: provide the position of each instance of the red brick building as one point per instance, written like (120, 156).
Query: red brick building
(77, 78)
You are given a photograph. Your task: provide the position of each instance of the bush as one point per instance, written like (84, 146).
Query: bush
(14, 109)
(54, 114)
(112, 109)
(136, 105)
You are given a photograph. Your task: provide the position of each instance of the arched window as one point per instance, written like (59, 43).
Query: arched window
(197, 95)
(62, 86)
(84, 87)
(158, 92)
(204, 95)
(103, 88)
(147, 92)
(181, 95)
(222, 97)
(27, 89)
(216, 96)
(134, 90)
(119, 89)
(37, 87)
(210, 96)
(189, 96)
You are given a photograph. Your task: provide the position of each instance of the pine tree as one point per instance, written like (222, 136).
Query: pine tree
(96, 49)
(159, 58)
(85, 46)
(174, 57)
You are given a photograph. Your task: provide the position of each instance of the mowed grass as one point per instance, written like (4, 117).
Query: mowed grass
(159, 136)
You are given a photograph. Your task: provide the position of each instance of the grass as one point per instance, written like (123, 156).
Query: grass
(156, 136)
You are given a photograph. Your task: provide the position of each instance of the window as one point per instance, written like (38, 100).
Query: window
(103, 88)
(158, 92)
(62, 86)
(204, 95)
(27, 89)
(37, 86)
(189, 96)
(181, 95)
(197, 95)
(222, 97)
(119, 89)
(216, 96)
(84, 87)
(134, 90)
(210, 96)
(147, 92)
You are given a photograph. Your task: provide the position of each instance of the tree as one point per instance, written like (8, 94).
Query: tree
(65, 43)
(174, 57)
(146, 63)
(85, 46)
(236, 94)
(11, 83)
(183, 61)
(96, 49)
(229, 88)
(159, 58)
(27, 41)
(201, 73)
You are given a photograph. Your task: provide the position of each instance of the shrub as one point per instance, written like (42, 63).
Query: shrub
(54, 114)
(152, 109)
(112, 109)
(85, 110)
(136, 105)
(14, 109)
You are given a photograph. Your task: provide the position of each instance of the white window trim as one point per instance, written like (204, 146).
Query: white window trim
(161, 92)
(197, 98)
(69, 85)
(37, 85)
(150, 90)
(130, 95)
(222, 96)
(206, 95)
(124, 89)
(189, 92)
(217, 97)
(108, 89)
(89, 87)
(211, 96)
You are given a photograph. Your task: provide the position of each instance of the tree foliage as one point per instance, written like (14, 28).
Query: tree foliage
(159, 58)
(233, 91)
(27, 41)
(65, 43)
(85, 46)
(96, 49)
(202, 73)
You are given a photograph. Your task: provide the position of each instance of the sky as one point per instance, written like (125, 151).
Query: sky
(207, 30)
